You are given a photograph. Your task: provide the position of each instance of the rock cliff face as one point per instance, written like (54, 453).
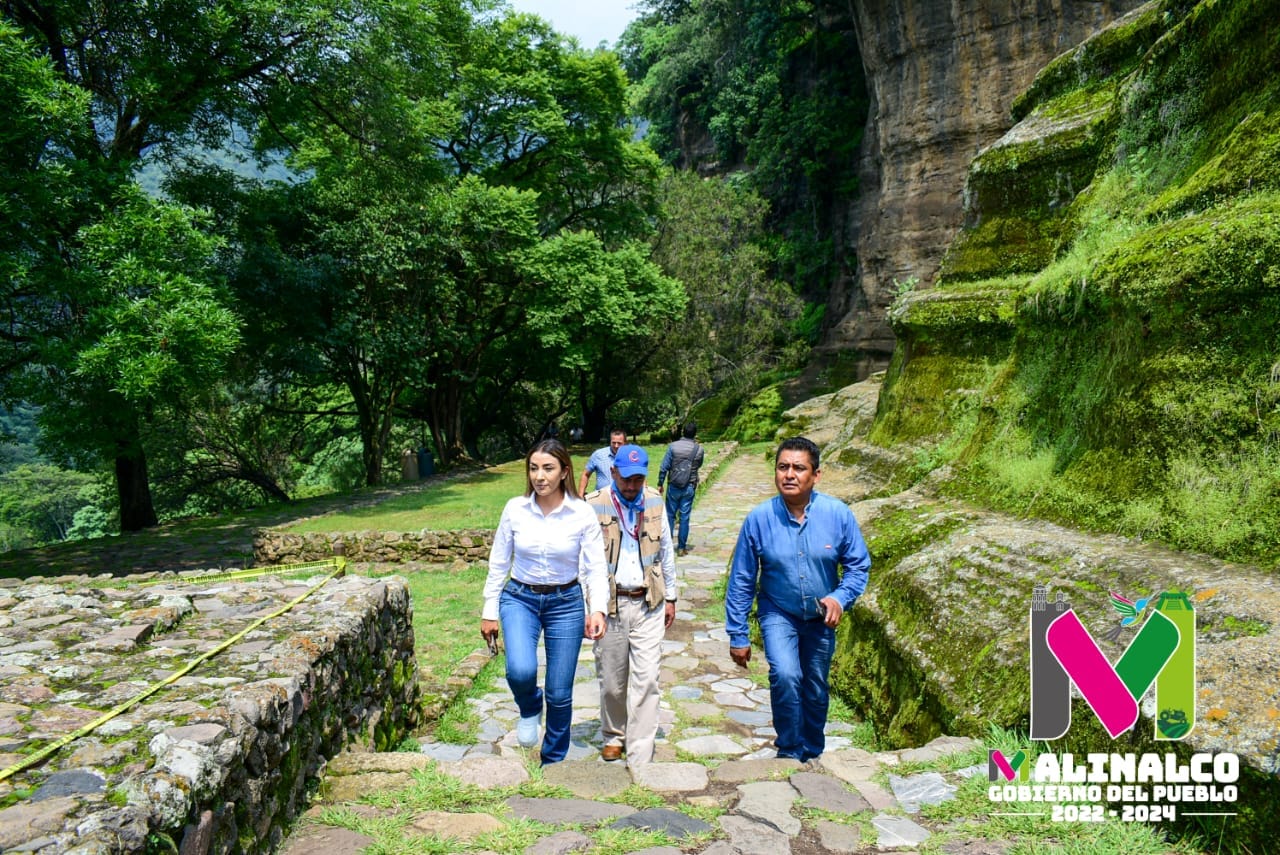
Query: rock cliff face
(941, 77)
(1098, 350)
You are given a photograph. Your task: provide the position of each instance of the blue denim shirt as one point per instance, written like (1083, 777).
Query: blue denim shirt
(601, 461)
(793, 565)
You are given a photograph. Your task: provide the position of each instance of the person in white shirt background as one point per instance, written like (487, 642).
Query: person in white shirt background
(547, 578)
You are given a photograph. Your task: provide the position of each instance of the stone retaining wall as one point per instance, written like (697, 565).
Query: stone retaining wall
(274, 546)
(218, 761)
(375, 547)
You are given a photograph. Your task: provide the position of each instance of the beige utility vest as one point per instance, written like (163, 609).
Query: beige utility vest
(650, 544)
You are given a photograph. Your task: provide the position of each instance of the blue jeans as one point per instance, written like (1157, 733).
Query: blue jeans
(679, 499)
(560, 618)
(799, 653)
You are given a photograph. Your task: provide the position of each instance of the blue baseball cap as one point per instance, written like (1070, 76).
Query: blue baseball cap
(631, 460)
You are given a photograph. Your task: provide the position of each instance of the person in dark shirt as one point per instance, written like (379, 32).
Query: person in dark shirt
(678, 481)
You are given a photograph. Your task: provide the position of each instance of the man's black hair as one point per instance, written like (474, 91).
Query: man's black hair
(800, 443)
(690, 430)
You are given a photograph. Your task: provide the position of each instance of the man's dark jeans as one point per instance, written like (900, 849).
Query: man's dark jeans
(679, 500)
(799, 653)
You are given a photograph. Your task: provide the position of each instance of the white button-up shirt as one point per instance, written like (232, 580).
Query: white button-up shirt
(547, 549)
(628, 574)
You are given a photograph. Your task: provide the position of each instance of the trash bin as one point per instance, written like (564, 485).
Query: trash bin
(426, 463)
(408, 465)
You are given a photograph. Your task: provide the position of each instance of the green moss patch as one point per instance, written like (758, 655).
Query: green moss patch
(757, 419)
(1000, 246)
(1110, 54)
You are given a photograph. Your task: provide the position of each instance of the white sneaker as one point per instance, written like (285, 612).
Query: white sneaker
(527, 730)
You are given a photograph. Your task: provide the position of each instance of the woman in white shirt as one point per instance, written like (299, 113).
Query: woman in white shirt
(547, 554)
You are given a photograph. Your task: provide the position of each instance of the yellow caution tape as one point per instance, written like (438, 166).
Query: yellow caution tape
(339, 565)
(236, 575)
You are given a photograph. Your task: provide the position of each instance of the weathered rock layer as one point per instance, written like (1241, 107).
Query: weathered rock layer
(941, 78)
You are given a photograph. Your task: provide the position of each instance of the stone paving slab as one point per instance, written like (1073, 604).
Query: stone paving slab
(487, 772)
(673, 823)
(898, 832)
(712, 745)
(589, 779)
(671, 777)
(458, 826)
(329, 839)
(770, 801)
(753, 837)
(936, 749)
(826, 793)
(837, 838)
(743, 770)
(928, 788)
(567, 811)
(850, 764)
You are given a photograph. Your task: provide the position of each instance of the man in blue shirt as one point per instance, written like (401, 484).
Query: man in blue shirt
(786, 559)
(601, 462)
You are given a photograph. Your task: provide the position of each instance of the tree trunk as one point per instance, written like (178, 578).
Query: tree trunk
(593, 416)
(266, 484)
(445, 420)
(136, 510)
(375, 411)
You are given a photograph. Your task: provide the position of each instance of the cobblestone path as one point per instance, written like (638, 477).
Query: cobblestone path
(714, 750)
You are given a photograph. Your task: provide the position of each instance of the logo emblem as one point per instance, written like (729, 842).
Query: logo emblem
(1000, 768)
(1064, 653)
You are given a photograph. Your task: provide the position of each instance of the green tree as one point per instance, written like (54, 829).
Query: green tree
(102, 85)
(40, 190)
(148, 329)
(773, 89)
(738, 318)
(591, 324)
(39, 502)
(445, 151)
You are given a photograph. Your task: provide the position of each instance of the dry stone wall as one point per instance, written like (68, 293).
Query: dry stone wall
(222, 758)
(375, 547)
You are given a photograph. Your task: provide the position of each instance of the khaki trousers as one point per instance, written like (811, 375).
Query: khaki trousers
(627, 660)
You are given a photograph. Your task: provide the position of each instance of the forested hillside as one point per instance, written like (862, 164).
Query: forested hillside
(772, 96)
(472, 246)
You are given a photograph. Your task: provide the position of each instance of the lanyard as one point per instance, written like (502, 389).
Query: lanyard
(622, 517)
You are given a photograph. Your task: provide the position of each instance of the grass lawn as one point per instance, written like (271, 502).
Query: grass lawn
(446, 614)
(474, 501)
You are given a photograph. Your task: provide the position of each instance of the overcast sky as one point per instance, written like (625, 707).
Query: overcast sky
(592, 21)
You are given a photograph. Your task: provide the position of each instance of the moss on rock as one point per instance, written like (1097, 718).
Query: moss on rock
(1109, 55)
(757, 419)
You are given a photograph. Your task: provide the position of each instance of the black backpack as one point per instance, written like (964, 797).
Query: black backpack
(681, 472)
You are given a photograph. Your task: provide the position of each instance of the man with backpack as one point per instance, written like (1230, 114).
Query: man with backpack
(679, 472)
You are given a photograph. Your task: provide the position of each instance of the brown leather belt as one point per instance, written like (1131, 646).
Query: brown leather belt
(633, 593)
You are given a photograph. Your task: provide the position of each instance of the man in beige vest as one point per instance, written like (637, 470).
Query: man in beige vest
(641, 605)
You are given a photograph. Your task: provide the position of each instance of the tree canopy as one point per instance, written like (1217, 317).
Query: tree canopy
(445, 230)
(770, 90)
